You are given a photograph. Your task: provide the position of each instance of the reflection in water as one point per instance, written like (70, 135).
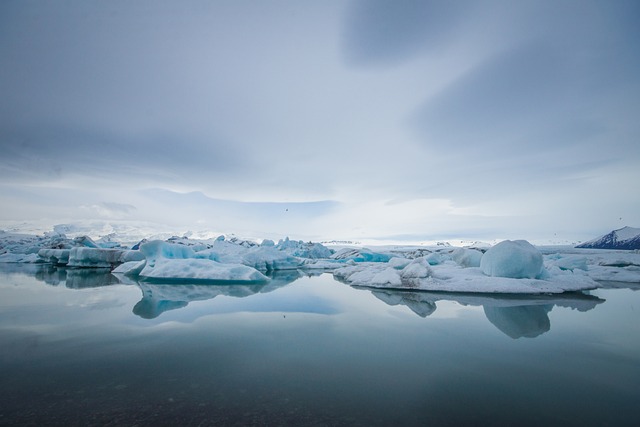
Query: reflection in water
(157, 297)
(514, 315)
(75, 278)
(527, 321)
(160, 297)
(89, 278)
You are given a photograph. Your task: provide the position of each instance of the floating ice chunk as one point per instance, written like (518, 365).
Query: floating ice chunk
(321, 264)
(570, 262)
(399, 263)
(158, 249)
(385, 276)
(467, 257)
(265, 258)
(388, 276)
(87, 257)
(517, 259)
(54, 256)
(200, 269)
(85, 241)
(629, 274)
(179, 262)
(211, 254)
(22, 258)
(298, 248)
(417, 269)
(130, 268)
(361, 255)
(435, 258)
(450, 277)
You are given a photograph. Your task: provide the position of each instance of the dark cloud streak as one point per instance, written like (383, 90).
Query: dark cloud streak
(48, 152)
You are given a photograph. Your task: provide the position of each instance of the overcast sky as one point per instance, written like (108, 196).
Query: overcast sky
(356, 119)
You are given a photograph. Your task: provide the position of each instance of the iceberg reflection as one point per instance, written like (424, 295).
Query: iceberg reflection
(160, 297)
(516, 316)
(76, 278)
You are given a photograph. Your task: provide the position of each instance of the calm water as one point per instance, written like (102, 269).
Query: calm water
(81, 348)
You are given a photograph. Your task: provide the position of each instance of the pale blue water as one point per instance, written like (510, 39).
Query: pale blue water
(81, 348)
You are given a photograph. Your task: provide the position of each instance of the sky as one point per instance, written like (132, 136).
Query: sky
(410, 120)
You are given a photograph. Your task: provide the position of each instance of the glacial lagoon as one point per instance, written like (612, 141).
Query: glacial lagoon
(84, 347)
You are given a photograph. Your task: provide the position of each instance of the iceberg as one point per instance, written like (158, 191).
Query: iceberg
(23, 248)
(200, 269)
(54, 256)
(130, 268)
(568, 262)
(450, 277)
(361, 255)
(266, 259)
(88, 257)
(516, 259)
(384, 275)
(301, 249)
(467, 257)
(19, 258)
(180, 262)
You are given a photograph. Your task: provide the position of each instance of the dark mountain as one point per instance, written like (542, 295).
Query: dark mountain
(624, 238)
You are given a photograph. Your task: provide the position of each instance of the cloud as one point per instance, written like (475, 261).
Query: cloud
(41, 153)
(110, 210)
(380, 32)
(238, 110)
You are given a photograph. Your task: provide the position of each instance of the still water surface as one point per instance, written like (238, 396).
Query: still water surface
(79, 347)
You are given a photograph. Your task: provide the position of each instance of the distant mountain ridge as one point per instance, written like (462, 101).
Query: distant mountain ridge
(623, 238)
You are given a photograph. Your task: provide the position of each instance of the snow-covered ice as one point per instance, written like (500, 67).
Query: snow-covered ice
(450, 277)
